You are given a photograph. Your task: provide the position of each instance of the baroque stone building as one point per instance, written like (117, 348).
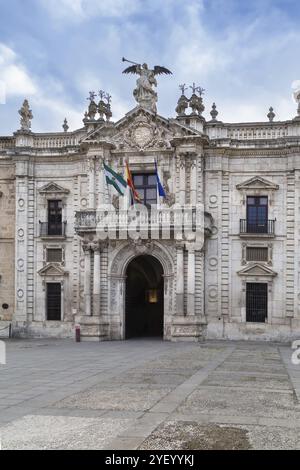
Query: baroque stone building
(237, 276)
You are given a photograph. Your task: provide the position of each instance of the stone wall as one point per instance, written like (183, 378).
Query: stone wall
(7, 230)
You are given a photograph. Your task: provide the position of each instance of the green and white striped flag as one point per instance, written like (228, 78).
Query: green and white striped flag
(116, 180)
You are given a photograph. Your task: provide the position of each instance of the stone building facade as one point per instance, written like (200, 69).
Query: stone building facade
(236, 277)
(7, 241)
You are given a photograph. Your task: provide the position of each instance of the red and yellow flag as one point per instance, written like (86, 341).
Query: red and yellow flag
(129, 180)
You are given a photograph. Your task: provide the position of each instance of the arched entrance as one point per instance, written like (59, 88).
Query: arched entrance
(144, 305)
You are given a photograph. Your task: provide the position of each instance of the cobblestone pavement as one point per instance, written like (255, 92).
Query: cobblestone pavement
(149, 394)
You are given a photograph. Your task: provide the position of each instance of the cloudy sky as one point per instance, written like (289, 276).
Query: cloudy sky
(245, 53)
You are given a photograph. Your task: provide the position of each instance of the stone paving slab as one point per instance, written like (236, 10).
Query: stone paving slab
(190, 435)
(53, 432)
(149, 393)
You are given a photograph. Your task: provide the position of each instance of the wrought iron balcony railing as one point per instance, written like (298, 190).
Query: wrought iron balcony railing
(52, 230)
(249, 227)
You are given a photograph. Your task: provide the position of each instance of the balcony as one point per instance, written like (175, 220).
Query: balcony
(52, 230)
(249, 229)
(163, 223)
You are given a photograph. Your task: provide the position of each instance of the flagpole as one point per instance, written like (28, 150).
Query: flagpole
(159, 200)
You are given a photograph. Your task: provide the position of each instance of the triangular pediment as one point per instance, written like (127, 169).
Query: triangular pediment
(52, 269)
(139, 129)
(257, 270)
(257, 182)
(53, 188)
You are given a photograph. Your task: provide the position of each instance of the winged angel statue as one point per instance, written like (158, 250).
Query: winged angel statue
(144, 92)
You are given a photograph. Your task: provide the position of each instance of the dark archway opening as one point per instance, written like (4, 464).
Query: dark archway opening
(144, 315)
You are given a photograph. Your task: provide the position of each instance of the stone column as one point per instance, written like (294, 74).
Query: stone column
(91, 173)
(101, 181)
(182, 182)
(193, 182)
(97, 280)
(22, 236)
(87, 279)
(191, 281)
(126, 199)
(179, 281)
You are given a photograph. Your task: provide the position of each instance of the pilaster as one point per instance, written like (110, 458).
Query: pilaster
(87, 279)
(179, 279)
(97, 280)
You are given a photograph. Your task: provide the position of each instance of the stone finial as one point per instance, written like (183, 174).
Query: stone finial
(183, 102)
(214, 113)
(271, 114)
(108, 106)
(298, 109)
(104, 107)
(197, 89)
(92, 109)
(183, 88)
(296, 95)
(65, 125)
(196, 102)
(26, 117)
(92, 96)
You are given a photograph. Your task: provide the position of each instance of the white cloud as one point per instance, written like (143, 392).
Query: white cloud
(50, 113)
(46, 96)
(14, 76)
(239, 61)
(74, 10)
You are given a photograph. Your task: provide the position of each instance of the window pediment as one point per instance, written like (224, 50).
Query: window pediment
(51, 188)
(257, 269)
(52, 269)
(257, 182)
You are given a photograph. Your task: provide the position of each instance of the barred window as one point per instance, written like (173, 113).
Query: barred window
(256, 253)
(54, 255)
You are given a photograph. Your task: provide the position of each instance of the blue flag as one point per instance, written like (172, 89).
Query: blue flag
(160, 188)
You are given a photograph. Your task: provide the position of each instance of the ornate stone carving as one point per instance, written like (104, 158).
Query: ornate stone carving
(26, 117)
(126, 253)
(86, 246)
(183, 102)
(143, 133)
(144, 92)
(65, 125)
(196, 102)
(116, 201)
(271, 114)
(142, 246)
(214, 113)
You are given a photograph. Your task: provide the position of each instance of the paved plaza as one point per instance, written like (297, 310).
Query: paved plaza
(149, 394)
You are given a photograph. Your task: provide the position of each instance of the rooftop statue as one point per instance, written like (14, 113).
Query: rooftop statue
(296, 94)
(26, 117)
(144, 93)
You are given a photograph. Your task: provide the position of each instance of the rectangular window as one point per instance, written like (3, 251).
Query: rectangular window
(54, 255)
(54, 301)
(256, 302)
(257, 214)
(54, 217)
(256, 253)
(145, 184)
